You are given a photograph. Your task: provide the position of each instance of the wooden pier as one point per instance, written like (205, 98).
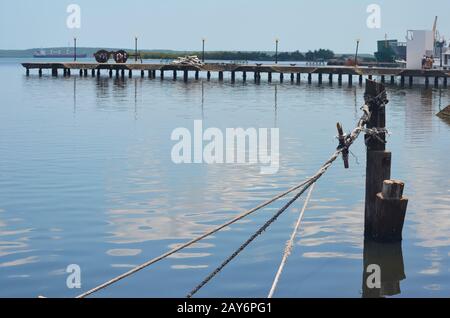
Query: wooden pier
(386, 75)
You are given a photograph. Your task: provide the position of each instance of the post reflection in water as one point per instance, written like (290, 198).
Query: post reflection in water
(390, 259)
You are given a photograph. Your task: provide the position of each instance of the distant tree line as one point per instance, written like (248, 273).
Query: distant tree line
(317, 55)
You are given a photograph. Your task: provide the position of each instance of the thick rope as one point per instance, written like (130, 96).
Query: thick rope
(290, 244)
(192, 242)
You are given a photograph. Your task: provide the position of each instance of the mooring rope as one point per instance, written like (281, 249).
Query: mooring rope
(349, 139)
(290, 244)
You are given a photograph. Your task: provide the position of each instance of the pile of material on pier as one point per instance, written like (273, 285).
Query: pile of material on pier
(188, 61)
(445, 113)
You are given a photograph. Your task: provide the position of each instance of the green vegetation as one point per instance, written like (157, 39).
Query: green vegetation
(246, 56)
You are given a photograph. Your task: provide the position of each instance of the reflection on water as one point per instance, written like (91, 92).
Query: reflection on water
(98, 188)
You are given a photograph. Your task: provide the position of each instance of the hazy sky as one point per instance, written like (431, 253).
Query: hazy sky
(226, 24)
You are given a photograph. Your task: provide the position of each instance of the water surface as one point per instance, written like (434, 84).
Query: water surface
(86, 178)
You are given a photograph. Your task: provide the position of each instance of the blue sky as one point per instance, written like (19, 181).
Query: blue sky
(226, 24)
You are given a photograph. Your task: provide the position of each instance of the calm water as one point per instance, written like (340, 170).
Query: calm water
(86, 178)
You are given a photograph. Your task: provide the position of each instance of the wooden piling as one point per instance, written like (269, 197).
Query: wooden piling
(436, 82)
(378, 159)
(392, 80)
(233, 76)
(360, 80)
(162, 74)
(445, 81)
(281, 77)
(411, 81)
(55, 72)
(320, 79)
(197, 75)
(244, 76)
(292, 77)
(309, 78)
(208, 75)
(340, 79)
(81, 73)
(269, 77)
(299, 76)
(85, 72)
(350, 79)
(142, 73)
(390, 212)
(40, 72)
(402, 81)
(185, 75)
(93, 72)
(220, 76)
(110, 73)
(174, 76)
(427, 81)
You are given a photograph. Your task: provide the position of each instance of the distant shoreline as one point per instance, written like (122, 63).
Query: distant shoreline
(316, 55)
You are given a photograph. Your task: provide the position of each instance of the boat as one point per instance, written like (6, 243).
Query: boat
(57, 54)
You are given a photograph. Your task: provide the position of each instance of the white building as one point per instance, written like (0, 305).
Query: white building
(419, 44)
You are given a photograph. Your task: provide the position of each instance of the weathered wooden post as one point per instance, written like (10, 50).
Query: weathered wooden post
(110, 73)
(292, 77)
(174, 76)
(93, 72)
(28, 72)
(383, 79)
(281, 77)
(411, 81)
(309, 78)
(40, 72)
(197, 75)
(360, 80)
(427, 81)
(244, 76)
(392, 80)
(299, 76)
(221, 76)
(185, 75)
(350, 79)
(208, 75)
(445, 81)
(436, 82)
(320, 79)
(85, 72)
(340, 79)
(390, 211)
(402, 81)
(130, 73)
(233, 76)
(378, 159)
(269, 77)
(142, 73)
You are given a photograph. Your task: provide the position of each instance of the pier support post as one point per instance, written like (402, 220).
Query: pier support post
(269, 76)
(436, 82)
(110, 73)
(185, 75)
(320, 78)
(197, 75)
(402, 81)
(244, 76)
(220, 76)
(411, 81)
(281, 77)
(370, 77)
(233, 76)
(98, 73)
(122, 73)
(93, 72)
(81, 73)
(55, 72)
(292, 77)
(340, 79)
(350, 79)
(208, 75)
(28, 72)
(360, 80)
(445, 81)
(69, 72)
(162, 74)
(142, 73)
(174, 76)
(85, 72)
(427, 81)
(299, 76)
(383, 79)
(40, 72)
(64, 72)
(130, 73)
(390, 212)
(330, 78)
(378, 159)
(392, 80)
(150, 74)
(117, 73)
(309, 78)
